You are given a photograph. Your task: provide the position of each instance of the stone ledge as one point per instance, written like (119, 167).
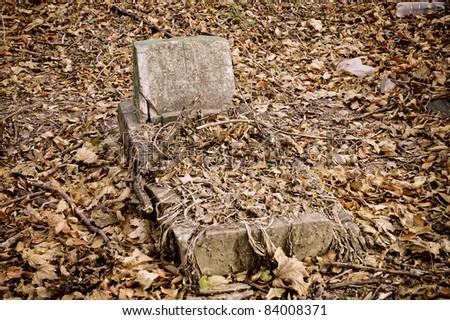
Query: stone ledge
(225, 249)
(127, 122)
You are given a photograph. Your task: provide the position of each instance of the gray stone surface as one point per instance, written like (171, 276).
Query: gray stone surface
(127, 122)
(225, 249)
(441, 105)
(190, 73)
(164, 198)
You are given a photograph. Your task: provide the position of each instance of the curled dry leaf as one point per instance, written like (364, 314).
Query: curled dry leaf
(316, 24)
(275, 293)
(290, 273)
(142, 230)
(86, 155)
(58, 222)
(44, 269)
(136, 258)
(146, 278)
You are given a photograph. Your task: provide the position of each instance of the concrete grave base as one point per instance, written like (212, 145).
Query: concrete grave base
(225, 248)
(127, 122)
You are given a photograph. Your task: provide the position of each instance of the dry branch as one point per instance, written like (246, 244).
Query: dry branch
(368, 114)
(76, 211)
(418, 273)
(39, 201)
(233, 287)
(134, 16)
(144, 199)
(223, 122)
(13, 240)
(353, 283)
(27, 195)
(15, 112)
(69, 149)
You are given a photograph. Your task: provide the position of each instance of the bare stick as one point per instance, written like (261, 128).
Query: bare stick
(303, 135)
(144, 199)
(14, 113)
(69, 149)
(76, 211)
(107, 66)
(139, 19)
(223, 122)
(368, 114)
(51, 171)
(39, 201)
(34, 53)
(339, 275)
(352, 283)
(93, 228)
(29, 195)
(419, 273)
(13, 240)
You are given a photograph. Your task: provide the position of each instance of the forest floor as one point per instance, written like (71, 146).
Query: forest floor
(70, 227)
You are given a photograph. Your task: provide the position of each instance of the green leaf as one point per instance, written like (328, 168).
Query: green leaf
(265, 276)
(205, 282)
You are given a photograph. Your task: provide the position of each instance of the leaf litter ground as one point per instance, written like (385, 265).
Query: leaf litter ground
(70, 227)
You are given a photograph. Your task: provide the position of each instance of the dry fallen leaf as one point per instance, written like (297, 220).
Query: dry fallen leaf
(316, 24)
(136, 259)
(275, 293)
(86, 155)
(146, 278)
(290, 273)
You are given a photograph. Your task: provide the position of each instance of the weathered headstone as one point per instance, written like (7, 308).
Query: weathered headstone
(190, 74)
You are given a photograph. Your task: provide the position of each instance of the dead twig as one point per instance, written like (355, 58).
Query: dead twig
(368, 114)
(51, 171)
(14, 113)
(134, 16)
(304, 135)
(418, 274)
(223, 122)
(28, 195)
(75, 146)
(107, 66)
(75, 210)
(353, 283)
(139, 191)
(34, 53)
(54, 43)
(339, 275)
(39, 201)
(13, 240)
(226, 288)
